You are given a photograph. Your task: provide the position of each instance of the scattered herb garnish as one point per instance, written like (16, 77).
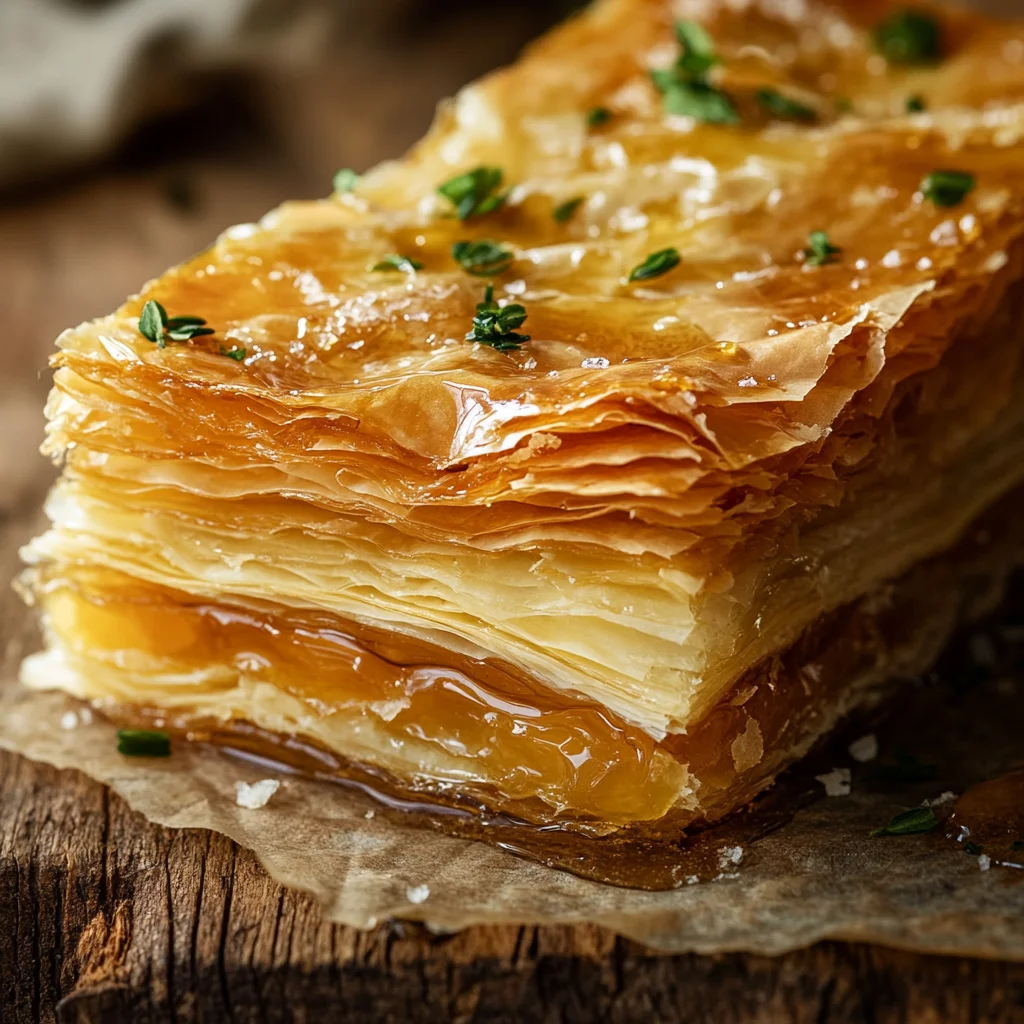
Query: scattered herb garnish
(394, 261)
(910, 36)
(698, 56)
(844, 104)
(915, 104)
(783, 107)
(565, 210)
(910, 823)
(598, 116)
(143, 743)
(820, 250)
(694, 99)
(1017, 844)
(684, 87)
(495, 325)
(947, 188)
(475, 192)
(972, 848)
(655, 265)
(156, 326)
(238, 354)
(345, 180)
(482, 258)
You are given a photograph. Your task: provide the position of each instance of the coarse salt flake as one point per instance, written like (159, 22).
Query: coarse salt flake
(836, 782)
(253, 796)
(417, 893)
(865, 749)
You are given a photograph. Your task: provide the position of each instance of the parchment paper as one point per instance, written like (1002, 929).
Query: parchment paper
(819, 876)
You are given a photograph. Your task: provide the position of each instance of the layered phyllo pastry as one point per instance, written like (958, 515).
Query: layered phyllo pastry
(592, 462)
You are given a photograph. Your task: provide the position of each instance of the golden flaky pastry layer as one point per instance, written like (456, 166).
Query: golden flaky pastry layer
(620, 519)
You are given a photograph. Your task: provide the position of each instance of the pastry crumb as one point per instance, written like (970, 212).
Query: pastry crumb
(943, 798)
(255, 795)
(836, 782)
(984, 861)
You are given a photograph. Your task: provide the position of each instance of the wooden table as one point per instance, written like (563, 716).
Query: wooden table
(106, 917)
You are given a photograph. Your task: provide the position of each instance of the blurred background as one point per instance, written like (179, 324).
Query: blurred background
(133, 131)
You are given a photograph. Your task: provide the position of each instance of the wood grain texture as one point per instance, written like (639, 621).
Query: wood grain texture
(105, 917)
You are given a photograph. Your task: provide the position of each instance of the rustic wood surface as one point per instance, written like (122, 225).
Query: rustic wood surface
(105, 917)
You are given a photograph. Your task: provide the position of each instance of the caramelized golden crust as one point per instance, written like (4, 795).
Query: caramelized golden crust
(675, 478)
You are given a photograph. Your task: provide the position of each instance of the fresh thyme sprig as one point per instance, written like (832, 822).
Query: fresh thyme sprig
(910, 36)
(947, 188)
(784, 107)
(916, 821)
(395, 261)
(143, 743)
(156, 326)
(482, 258)
(476, 192)
(345, 180)
(684, 86)
(820, 250)
(496, 325)
(655, 265)
(564, 211)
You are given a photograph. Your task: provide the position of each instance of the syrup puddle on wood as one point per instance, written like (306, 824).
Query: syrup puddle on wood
(988, 821)
(631, 858)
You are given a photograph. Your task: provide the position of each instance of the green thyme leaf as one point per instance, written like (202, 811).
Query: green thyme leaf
(238, 354)
(910, 36)
(844, 105)
(482, 258)
(655, 265)
(698, 56)
(153, 322)
(157, 327)
(947, 188)
(143, 743)
(187, 332)
(1017, 844)
(565, 210)
(598, 116)
(684, 87)
(394, 261)
(475, 192)
(784, 107)
(820, 250)
(913, 822)
(972, 848)
(694, 99)
(345, 180)
(496, 325)
(915, 104)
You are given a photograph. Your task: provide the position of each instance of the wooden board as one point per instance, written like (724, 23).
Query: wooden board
(106, 917)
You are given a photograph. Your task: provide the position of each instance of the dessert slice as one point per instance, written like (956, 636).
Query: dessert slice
(590, 463)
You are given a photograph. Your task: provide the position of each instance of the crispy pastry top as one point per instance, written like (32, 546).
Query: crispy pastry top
(738, 362)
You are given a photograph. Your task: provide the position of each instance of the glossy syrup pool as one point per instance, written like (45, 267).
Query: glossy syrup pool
(641, 857)
(955, 730)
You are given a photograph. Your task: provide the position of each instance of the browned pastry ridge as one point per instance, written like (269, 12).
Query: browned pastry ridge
(605, 576)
